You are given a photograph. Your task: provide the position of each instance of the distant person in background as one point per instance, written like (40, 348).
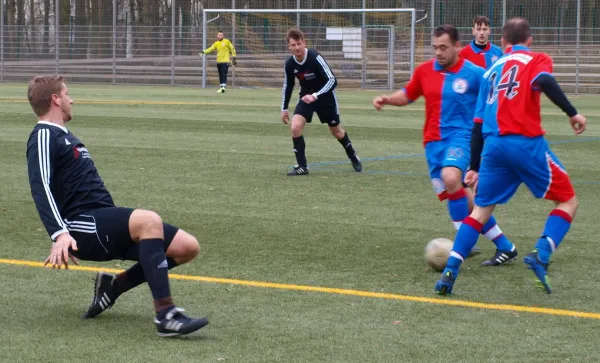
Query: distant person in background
(481, 51)
(224, 50)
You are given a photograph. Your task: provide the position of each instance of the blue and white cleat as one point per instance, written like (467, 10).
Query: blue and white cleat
(445, 283)
(532, 260)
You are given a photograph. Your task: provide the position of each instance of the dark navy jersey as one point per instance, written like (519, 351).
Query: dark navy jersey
(63, 178)
(313, 73)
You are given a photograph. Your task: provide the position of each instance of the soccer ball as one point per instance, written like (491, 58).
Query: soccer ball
(437, 252)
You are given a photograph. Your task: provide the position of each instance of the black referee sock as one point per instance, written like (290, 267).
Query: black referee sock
(133, 277)
(347, 144)
(155, 265)
(299, 147)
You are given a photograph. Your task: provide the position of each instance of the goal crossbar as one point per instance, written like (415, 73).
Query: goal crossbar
(412, 11)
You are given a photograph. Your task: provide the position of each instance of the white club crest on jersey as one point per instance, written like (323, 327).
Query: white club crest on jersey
(460, 85)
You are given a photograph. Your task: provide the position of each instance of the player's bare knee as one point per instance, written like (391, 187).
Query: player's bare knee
(145, 224)
(570, 206)
(452, 178)
(183, 248)
(337, 132)
(192, 248)
(297, 131)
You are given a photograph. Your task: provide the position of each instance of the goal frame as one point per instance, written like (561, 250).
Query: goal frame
(412, 11)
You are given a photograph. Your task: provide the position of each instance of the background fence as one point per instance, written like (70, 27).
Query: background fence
(157, 41)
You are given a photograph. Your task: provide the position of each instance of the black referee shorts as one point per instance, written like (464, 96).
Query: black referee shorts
(325, 106)
(103, 235)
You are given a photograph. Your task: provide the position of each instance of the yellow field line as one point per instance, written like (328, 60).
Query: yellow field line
(329, 290)
(183, 103)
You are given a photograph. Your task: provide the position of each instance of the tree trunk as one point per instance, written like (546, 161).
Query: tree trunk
(46, 30)
(64, 28)
(80, 30)
(20, 27)
(10, 29)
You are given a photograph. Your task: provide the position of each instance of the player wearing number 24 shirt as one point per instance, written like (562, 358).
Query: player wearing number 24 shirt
(515, 151)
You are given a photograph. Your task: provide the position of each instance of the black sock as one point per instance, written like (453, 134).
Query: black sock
(155, 265)
(299, 147)
(132, 277)
(347, 144)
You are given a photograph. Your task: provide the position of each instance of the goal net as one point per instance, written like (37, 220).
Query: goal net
(366, 48)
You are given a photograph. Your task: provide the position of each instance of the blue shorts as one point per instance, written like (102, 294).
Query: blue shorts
(454, 152)
(508, 161)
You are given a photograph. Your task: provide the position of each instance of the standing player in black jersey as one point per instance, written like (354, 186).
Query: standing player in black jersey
(317, 84)
(83, 222)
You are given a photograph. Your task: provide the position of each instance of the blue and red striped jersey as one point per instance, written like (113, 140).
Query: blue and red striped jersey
(450, 97)
(509, 100)
(485, 57)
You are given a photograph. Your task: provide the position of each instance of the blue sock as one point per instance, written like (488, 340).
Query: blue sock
(458, 207)
(465, 239)
(557, 226)
(492, 232)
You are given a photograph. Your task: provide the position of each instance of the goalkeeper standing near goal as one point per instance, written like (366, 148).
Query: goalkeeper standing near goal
(317, 84)
(224, 49)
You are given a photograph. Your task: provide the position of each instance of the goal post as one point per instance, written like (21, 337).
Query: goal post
(366, 48)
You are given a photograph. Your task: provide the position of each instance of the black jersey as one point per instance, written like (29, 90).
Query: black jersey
(313, 73)
(63, 178)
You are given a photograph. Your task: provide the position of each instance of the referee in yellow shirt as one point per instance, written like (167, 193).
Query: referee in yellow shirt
(224, 48)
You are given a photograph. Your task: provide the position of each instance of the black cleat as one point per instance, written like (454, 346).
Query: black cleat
(298, 170)
(104, 297)
(357, 165)
(474, 251)
(175, 323)
(501, 258)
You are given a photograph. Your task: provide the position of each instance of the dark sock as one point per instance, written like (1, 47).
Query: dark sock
(155, 265)
(132, 277)
(299, 147)
(347, 144)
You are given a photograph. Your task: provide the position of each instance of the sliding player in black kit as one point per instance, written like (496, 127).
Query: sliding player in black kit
(317, 85)
(81, 219)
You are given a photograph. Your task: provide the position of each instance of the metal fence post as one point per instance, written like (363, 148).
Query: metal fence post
(412, 40)
(363, 43)
(1, 40)
(578, 51)
(297, 14)
(114, 42)
(392, 58)
(173, 7)
(233, 40)
(503, 12)
(204, 30)
(56, 34)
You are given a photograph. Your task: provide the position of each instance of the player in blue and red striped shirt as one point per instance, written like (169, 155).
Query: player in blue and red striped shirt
(515, 151)
(481, 51)
(450, 86)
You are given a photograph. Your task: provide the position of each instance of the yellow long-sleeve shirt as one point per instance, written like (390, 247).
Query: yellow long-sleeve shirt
(223, 47)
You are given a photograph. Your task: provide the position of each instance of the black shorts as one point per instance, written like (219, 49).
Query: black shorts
(326, 108)
(103, 235)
